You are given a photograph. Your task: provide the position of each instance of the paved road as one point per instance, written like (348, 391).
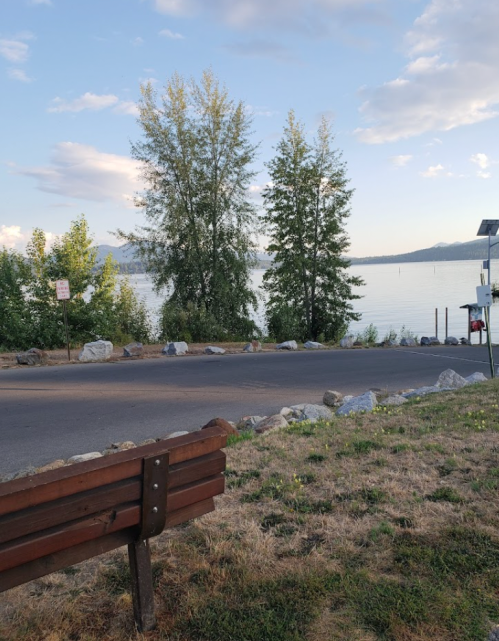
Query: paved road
(55, 412)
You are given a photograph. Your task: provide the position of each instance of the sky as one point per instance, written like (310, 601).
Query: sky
(411, 87)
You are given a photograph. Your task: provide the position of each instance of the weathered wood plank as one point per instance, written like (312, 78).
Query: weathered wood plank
(65, 558)
(190, 512)
(68, 509)
(196, 469)
(195, 492)
(47, 486)
(65, 536)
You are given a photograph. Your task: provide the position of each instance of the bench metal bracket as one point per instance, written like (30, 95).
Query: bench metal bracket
(154, 495)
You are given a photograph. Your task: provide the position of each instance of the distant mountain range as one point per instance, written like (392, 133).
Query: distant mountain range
(473, 250)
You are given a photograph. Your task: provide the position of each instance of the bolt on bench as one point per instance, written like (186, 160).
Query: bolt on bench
(55, 519)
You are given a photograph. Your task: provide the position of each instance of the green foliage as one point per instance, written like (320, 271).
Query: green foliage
(306, 206)
(30, 315)
(370, 335)
(391, 335)
(196, 156)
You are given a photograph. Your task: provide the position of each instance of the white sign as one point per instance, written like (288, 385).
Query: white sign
(62, 289)
(484, 296)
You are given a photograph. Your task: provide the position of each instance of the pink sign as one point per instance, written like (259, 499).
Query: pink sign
(62, 289)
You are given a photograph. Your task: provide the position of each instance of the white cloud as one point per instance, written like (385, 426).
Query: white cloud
(401, 161)
(312, 17)
(82, 171)
(127, 107)
(171, 34)
(15, 49)
(88, 100)
(482, 160)
(452, 78)
(433, 172)
(19, 74)
(48, 3)
(11, 237)
(137, 42)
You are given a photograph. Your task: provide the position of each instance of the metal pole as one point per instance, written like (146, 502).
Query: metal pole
(446, 322)
(67, 330)
(488, 278)
(436, 322)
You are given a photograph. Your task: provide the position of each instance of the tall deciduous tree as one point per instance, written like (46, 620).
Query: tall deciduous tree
(306, 205)
(196, 156)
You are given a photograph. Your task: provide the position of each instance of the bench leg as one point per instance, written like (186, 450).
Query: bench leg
(139, 556)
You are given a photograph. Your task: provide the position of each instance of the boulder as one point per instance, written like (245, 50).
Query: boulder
(347, 341)
(175, 434)
(222, 423)
(125, 445)
(407, 342)
(313, 345)
(465, 341)
(81, 458)
(312, 413)
(451, 340)
(450, 379)
(395, 399)
(55, 465)
(96, 351)
(178, 348)
(249, 422)
(477, 377)
(286, 411)
(358, 343)
(254, 346)
(133, 349)
(33, 356)
(434, 341)
(332, 398)
(425, 340)
(424, 391)
(277, 421)
(364, 403)
(389, 343)
(289, 345)
(211, 349)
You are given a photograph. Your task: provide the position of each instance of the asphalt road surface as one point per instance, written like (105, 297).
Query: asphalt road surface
(55, 412)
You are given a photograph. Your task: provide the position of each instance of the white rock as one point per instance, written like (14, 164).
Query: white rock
(286, 411)
(312, 413)
(277, 421)
(364, 403)
(81, 458)
(178, 348)
(395, 399)
(289, 345)
(424, 391)
(313, 345)
(477, 377)
(174, 434)
(96, 351)
(407, 342)
(450, 378)
(347, 341)
(133, 349)
(332, 398)
(249, 422)
(214, 350)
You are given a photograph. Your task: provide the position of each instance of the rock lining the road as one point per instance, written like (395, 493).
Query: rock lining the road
(448, 380)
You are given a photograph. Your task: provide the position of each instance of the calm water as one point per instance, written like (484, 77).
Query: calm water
(396, 295)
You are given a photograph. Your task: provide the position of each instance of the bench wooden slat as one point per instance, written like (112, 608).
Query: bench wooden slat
(65, 536)
(194, 492)
(68, 509)
(48, 564)
(48, 486)
(189, 512)
(193, 470)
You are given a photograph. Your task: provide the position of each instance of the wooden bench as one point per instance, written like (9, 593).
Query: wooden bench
(58, 518)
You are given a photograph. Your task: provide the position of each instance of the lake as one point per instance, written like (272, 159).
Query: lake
(395, 295)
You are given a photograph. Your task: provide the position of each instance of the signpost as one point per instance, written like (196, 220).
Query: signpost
(62, 293)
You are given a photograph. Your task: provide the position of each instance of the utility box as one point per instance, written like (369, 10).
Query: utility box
(484, 296)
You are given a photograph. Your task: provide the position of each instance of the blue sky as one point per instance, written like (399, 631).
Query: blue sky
(412, 87)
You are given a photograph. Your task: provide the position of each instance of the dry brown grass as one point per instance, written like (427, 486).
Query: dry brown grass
(347, 510)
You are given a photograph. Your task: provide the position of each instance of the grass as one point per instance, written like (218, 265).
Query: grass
(382, 527)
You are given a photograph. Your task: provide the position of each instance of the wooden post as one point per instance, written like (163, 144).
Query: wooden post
(446, 322)
(139, 556)
(469, 324)
(436, 322)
